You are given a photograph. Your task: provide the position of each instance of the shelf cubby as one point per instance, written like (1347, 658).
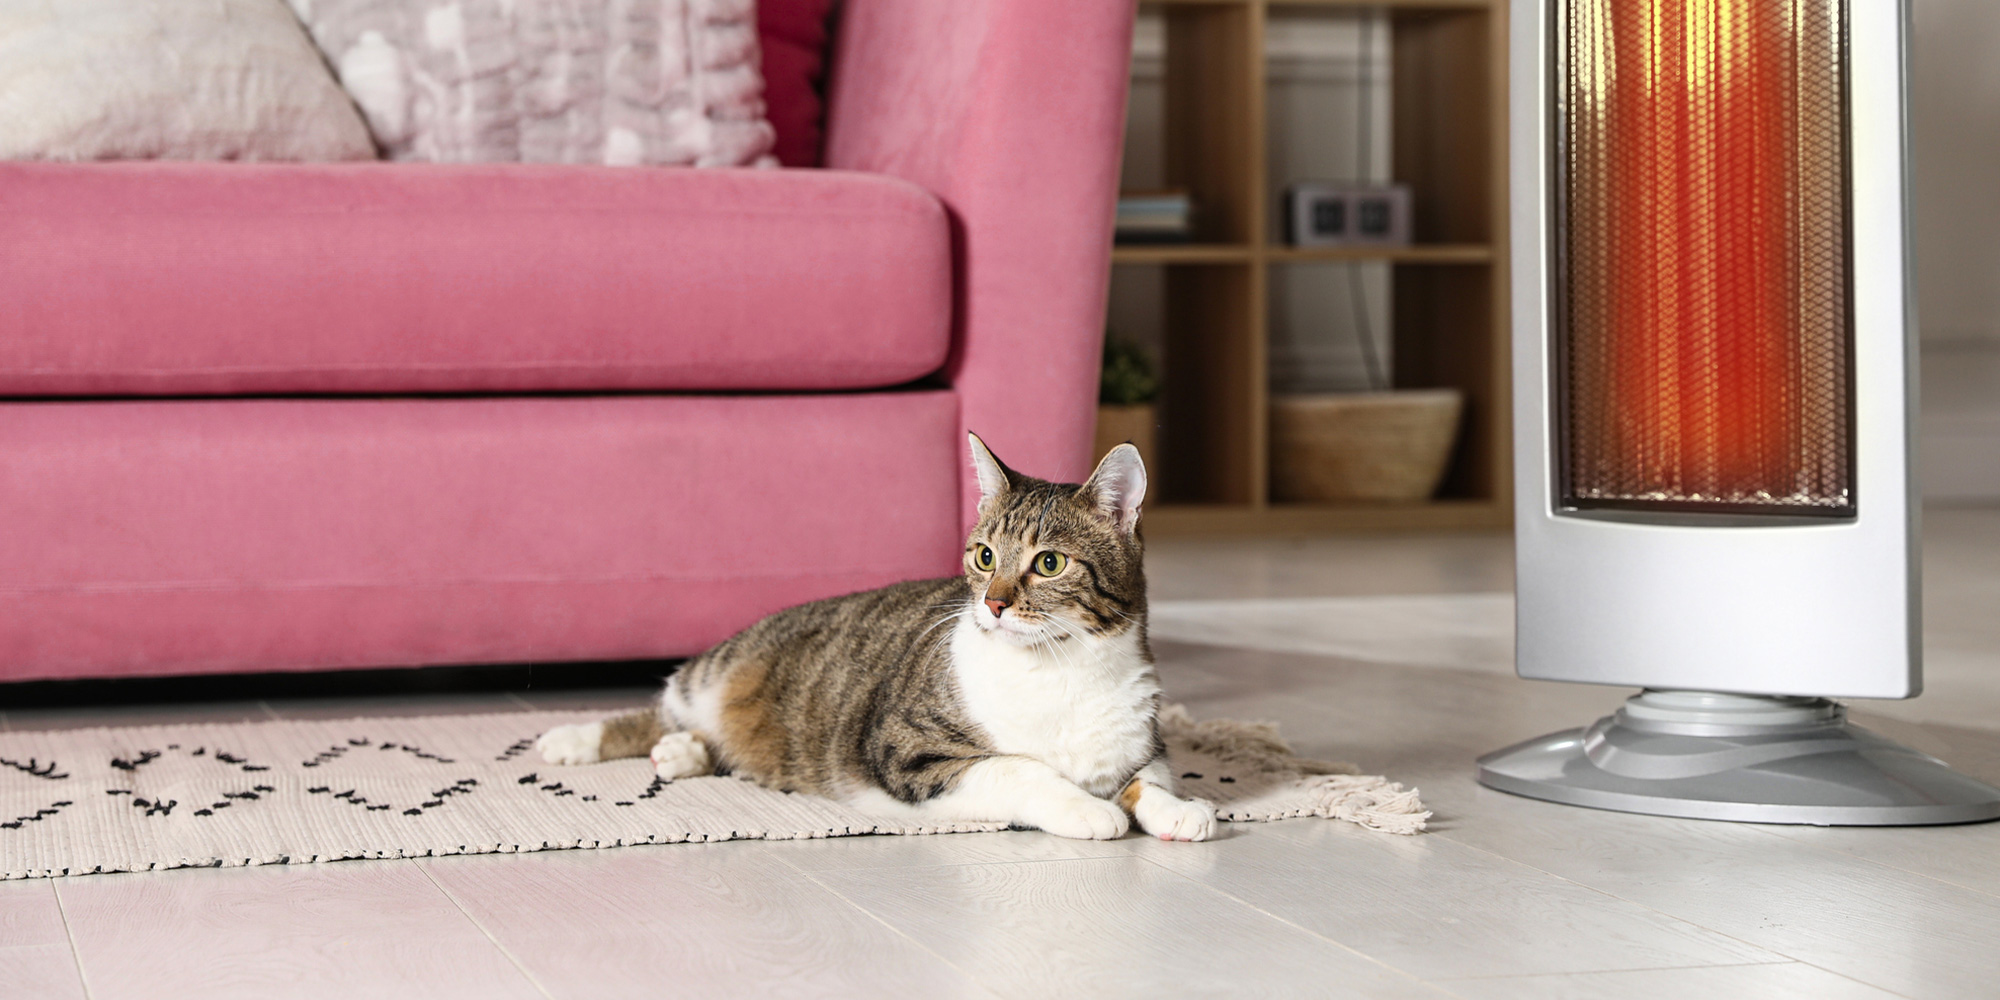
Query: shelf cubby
(1447, 288)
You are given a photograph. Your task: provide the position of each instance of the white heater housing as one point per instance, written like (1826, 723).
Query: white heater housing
(1698, 593)
(1761, 603)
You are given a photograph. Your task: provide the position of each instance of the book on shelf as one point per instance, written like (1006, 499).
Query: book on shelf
(1155, 217)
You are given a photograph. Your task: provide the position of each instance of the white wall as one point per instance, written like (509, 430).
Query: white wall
(1955, 128)
(1955, 174)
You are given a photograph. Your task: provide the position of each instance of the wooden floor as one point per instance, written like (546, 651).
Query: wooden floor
(1505, 898)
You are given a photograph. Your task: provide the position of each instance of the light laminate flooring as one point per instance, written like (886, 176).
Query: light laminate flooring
(1504, 898)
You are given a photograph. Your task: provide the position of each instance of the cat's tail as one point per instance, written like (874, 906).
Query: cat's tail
(630, 735)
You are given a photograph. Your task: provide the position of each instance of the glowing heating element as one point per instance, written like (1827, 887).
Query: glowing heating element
(1704, 344)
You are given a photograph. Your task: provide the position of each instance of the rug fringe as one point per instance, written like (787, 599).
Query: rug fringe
(1252, 744)
(1370, 800)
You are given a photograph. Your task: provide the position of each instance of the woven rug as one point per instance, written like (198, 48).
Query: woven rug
(210, 795)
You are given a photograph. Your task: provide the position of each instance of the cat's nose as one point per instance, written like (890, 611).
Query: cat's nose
(995, 606)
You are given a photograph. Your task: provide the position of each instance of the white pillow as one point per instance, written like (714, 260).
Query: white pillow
(617, 82)
(168, 79)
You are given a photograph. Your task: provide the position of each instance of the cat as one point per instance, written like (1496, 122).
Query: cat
(1022, 691)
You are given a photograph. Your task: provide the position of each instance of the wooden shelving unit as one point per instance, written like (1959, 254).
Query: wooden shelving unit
(1450, 287)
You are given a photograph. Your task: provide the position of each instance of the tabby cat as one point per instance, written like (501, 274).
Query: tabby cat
(1022, 691)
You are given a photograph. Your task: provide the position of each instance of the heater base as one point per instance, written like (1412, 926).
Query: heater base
(1743, 758)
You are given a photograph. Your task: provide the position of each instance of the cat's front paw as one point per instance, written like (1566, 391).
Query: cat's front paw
(1170, 818)
(680, 755)
(577, 744)
(1084, 818)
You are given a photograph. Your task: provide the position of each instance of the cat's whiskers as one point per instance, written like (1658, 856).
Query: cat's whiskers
(950, 615)
(1056, 621)
(954, 614)
(1062, 654)
(1128, 618)
(1044, 621)
(1069, 663)
(1042, 637)
(1039, 621)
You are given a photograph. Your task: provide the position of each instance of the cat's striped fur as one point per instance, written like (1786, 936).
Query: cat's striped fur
(1020, 691)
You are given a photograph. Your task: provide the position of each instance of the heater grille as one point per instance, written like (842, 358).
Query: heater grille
(1704, 344)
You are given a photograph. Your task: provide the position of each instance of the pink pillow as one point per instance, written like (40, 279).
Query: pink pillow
(794, 35)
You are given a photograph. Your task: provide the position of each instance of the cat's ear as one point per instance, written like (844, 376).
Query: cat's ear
(1118, 486)
(994, 479)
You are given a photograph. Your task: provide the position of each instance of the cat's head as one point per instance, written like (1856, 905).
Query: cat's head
(1058, 562)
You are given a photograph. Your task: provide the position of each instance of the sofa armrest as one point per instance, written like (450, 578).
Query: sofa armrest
(1012, 112)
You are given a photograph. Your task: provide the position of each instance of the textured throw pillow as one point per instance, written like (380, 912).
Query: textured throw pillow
(793, 34)
(551, 81)
(168, 79)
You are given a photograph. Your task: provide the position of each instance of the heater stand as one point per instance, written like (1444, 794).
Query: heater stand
(1749, 758)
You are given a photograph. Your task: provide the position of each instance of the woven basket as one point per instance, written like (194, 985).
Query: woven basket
(1362, 446)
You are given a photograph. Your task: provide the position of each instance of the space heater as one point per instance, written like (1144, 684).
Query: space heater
(1714, 390)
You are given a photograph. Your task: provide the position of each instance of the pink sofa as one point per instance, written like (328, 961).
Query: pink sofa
(300, 417)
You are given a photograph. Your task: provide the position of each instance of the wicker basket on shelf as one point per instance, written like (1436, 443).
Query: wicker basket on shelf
(1377, 446)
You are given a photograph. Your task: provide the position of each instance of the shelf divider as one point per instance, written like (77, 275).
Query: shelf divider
(1436, 253)
(1182, 253)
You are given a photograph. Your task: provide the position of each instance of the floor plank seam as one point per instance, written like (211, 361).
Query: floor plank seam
(1926, 876)
(460, 907)
(1644, 906)
(1646, 968)
(75, 956)
(941, 864)
(970, 979)
(1863, 982)
(1246, 904)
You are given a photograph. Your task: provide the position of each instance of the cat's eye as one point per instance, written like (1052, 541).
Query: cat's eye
(1051, 563)
(982, 557)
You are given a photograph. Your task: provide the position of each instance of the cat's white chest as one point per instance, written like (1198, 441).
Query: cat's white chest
(1084, 707)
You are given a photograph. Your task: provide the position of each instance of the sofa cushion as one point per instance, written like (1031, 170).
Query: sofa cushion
(151, 537)
(187, 279)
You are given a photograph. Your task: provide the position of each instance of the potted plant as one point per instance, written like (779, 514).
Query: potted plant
(1126, 392)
